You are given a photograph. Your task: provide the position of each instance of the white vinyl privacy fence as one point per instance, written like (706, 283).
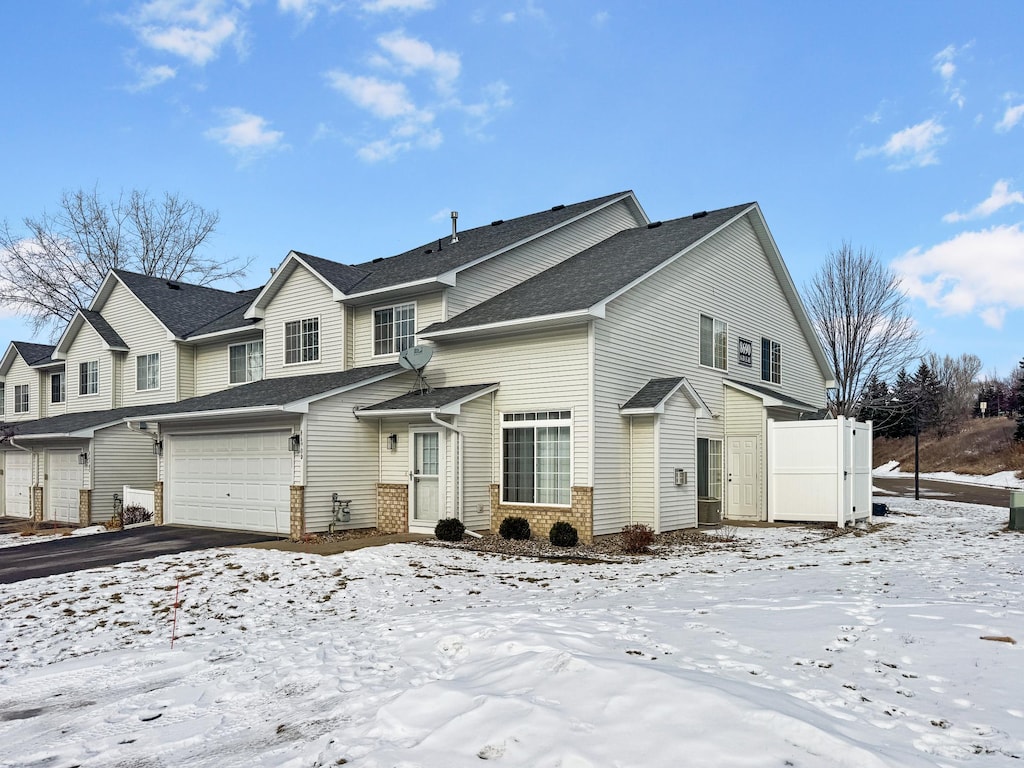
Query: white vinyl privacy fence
(819, 471)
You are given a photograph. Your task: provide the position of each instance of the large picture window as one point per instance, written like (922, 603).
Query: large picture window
(771, 361)
(394, 329)
(57, 388)
(245, 362)
(302, 341)
(21, 398)
(709, 468)
(535, 449)
(147, 372)
(89, 378)
(713, 341)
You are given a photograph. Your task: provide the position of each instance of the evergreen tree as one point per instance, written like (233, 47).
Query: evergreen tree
(927, 397)
(1018, 435)
(903, 404)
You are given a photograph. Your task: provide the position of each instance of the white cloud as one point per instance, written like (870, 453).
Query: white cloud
(245, 134)
(914, 146)
(381, 98)
(402, 6)
(944, 65)
(150, 77)
(194, 30)
(1011, 117)
(600, 18)
(412, 55)
(509, 17)
(975, 272)
(1001, 197)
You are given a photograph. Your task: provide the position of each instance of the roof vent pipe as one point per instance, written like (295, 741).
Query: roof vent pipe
(455, 232)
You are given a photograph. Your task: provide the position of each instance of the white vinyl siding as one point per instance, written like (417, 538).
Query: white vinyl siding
(627, 354)
(87, 347)
(21, 382)
(120, 457)
(186, 357)
(245, 362)
(489, 278)
(677, 441)
(360, 337)
(478, 446)
(301, 297)
(642, 473)
(213, 365)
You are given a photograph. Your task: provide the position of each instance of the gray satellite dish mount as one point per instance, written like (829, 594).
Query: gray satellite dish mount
(416, 359)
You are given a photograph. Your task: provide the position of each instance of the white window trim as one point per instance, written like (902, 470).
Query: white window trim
(63, 387)
(570, 422)
(373, 327)
(771, 342)
(160, 373)
(284, 343)
(3, 398)
(721, 466)
(28, 398)
(90, 394)
(263, 352)
(700, 363)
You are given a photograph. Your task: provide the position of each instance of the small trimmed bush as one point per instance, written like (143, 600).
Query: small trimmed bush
(449, 529)
(636, 539)
(135, 513)
(564, 535)
(514, 528)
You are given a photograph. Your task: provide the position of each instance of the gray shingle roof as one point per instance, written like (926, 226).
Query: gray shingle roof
(429, 260)
(651, 394)
(34, 354)
(103, 328)
(427, 399)
(182, 307)
(235, 319)
(768, 392)
(73, 422)
(593, 275)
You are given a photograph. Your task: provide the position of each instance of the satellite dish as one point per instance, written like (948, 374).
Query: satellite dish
(415, 358)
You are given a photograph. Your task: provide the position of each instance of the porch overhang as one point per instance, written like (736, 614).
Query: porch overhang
(442, 401)
(653, 396)
(770, 398)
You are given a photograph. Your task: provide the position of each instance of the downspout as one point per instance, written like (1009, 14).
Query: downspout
(458, 480)
(632, 447)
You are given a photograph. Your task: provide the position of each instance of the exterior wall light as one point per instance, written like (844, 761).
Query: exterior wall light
(294, 443)
(392, 442)
(83, 458)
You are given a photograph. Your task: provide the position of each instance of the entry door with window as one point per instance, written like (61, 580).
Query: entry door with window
(742, 474)
(425, 488)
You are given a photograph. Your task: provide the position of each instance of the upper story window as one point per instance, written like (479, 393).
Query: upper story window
(3, 398)
(89, 378)
(21, 398)
(713, 339)
(535, 457)
(394, 329)
(771, 361)
(57, 387)
(147, 372)
(302, 341)
(245, 362)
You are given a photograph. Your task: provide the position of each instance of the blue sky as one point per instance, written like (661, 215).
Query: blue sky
(350, 128)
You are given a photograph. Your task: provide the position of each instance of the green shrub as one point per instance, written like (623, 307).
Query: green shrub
(514, 528)
(449, 529)
(134, 513)
(563, 535)
(637, 538)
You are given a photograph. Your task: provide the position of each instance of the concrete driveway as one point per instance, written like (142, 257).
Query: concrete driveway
(75, 553)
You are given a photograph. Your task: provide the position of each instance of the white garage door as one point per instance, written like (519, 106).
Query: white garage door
(238, 480)
(17, 484)
(63, 479)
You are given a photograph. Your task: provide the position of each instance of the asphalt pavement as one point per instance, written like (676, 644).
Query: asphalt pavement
(76, 553)
(947, 491)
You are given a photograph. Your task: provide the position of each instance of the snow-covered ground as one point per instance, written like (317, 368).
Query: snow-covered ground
(787, 646)
(1007, 479)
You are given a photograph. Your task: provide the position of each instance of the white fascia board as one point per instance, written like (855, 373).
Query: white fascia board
(60, 351)
(769, 401)
(257, 308)
(103, 292)
(671, 259)
(691, 394)
(453, 408)
(185, 415)
(699, 406)
(8, 358)
(524, 323)
(258, 326)
(448, 279)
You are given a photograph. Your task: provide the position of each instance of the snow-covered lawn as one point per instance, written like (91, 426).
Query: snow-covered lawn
(785, 647)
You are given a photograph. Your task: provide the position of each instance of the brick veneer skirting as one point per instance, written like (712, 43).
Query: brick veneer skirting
(392, 508)
(84, 507)
(37, 503)
(297, 510)
(580, 514)
(158, 502)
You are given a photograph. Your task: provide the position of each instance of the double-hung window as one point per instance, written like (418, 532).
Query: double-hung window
(147, 372)
(709, 468)
(713, 342)
(3, 398)
(302, 341)
(89, 378)
(245, 362)
(57, 387)
(535, 457)
(21, 398)
(771, 361)
(394, 329)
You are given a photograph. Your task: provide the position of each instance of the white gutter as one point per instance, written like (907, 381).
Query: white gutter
(457, 431)
(579, 314)
(254, 410)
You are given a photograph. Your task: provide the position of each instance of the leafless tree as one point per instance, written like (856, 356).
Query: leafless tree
(56, 265)
(860, 312)
(958, 388)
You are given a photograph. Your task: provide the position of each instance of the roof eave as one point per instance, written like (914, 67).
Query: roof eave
(453, 408)
(444, 280)
(527, 323)
(186, 415)
(214, 335)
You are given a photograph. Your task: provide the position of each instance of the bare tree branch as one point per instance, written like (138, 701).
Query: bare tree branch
(56, 265)
(859, 311)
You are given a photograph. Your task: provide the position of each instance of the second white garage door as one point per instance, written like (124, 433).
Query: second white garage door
(64, 479)
(17, 482)
(237, 480)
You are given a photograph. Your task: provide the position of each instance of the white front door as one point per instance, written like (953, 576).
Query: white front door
(425, 490)
(18, 484)
(63, 481)
(742, 478)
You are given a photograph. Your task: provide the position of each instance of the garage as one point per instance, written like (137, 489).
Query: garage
(63, 481)
(237, 480)
(18, 484)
